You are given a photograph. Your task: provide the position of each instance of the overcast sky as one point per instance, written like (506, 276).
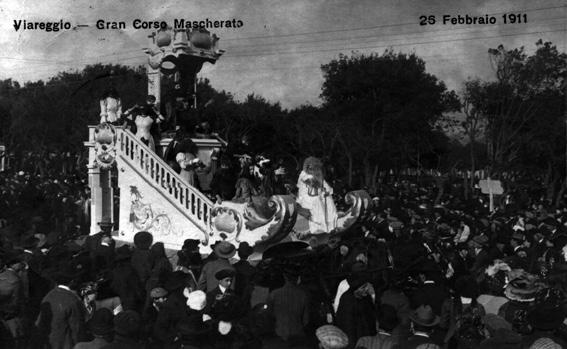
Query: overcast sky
(278, 52)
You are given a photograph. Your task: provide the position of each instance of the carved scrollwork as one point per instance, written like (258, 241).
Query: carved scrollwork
(105, 145)
(238, 222)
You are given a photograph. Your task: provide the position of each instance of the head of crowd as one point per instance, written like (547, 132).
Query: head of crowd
(426, 268)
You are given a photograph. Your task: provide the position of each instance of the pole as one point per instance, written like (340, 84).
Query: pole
(490, 195)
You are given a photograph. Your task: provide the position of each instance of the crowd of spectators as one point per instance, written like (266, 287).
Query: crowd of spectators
(426, 269)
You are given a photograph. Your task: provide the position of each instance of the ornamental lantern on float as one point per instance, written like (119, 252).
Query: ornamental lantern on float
(201, 39)
(163, 38)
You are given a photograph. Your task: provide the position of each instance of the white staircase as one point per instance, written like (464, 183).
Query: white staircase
(153, 197)
(191, 202)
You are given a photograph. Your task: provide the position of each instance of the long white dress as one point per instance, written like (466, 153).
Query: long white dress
(143, 126)
(320, 204)
(110, 109)
(187, 162)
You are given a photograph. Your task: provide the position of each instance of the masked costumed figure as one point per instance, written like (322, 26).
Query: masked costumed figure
(147, 117)
(315, 195)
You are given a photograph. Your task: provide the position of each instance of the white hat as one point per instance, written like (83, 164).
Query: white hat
(197, 300)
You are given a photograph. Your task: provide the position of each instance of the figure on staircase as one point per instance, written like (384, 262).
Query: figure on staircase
(145, 118)
(110, 107)
(189, 164)
(314, 196)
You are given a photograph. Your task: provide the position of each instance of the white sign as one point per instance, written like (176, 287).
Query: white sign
(488, 186)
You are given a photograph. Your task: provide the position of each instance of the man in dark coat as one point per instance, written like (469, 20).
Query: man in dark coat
(431, 292)
(355, 315)
(141, 255)
(62, 316)
(223, 251)
(424, 322)
(12, 297)
(289, 304)
(125, 282)
(126, 331)
(172, 311)
(223, 184)
(244, 272)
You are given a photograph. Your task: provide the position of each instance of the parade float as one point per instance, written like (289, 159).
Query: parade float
(134, 189)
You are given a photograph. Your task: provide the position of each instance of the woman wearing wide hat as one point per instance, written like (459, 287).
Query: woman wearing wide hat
(521, 291)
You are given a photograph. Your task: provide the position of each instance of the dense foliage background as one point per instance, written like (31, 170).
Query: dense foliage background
(380, 113)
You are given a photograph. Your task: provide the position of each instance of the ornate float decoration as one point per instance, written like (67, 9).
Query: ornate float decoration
(264, 222)
(258, 223)
(181, 53)
(105, 145)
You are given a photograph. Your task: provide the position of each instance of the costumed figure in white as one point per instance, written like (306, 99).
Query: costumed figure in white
(189, 163)
(146, 117)
(315, 195)
(110, 107)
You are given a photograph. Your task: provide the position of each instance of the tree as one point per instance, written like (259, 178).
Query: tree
(386, 107)
(522, 112)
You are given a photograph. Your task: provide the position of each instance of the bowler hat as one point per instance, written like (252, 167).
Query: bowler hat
(190, 244)
(225, 249)
(158, 292)
(224, 273)
(424, 316)
(244, 250)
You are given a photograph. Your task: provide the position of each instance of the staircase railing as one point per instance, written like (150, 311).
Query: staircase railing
(195, 204)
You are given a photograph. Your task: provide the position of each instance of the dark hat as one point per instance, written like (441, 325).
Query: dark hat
(143, 240)
(387, 317)
(518, 237)
(224, 273)
(66, 274)
(158, 292)
(123, 253)
(190, 244)
(493, 322)
(546, 317)
(550, 221)
(127, 323)
(428, 266)
(358, 275)
(467, 287)
(462, 246)
(225, 249)
(559, 240)
(479, 241)
(101, 322)
(12, 257)
(30, 242)
(424, 316)
(192, 330)
(176, 280)
(244, 250)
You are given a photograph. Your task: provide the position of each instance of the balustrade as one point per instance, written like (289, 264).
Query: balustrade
(193, 203)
